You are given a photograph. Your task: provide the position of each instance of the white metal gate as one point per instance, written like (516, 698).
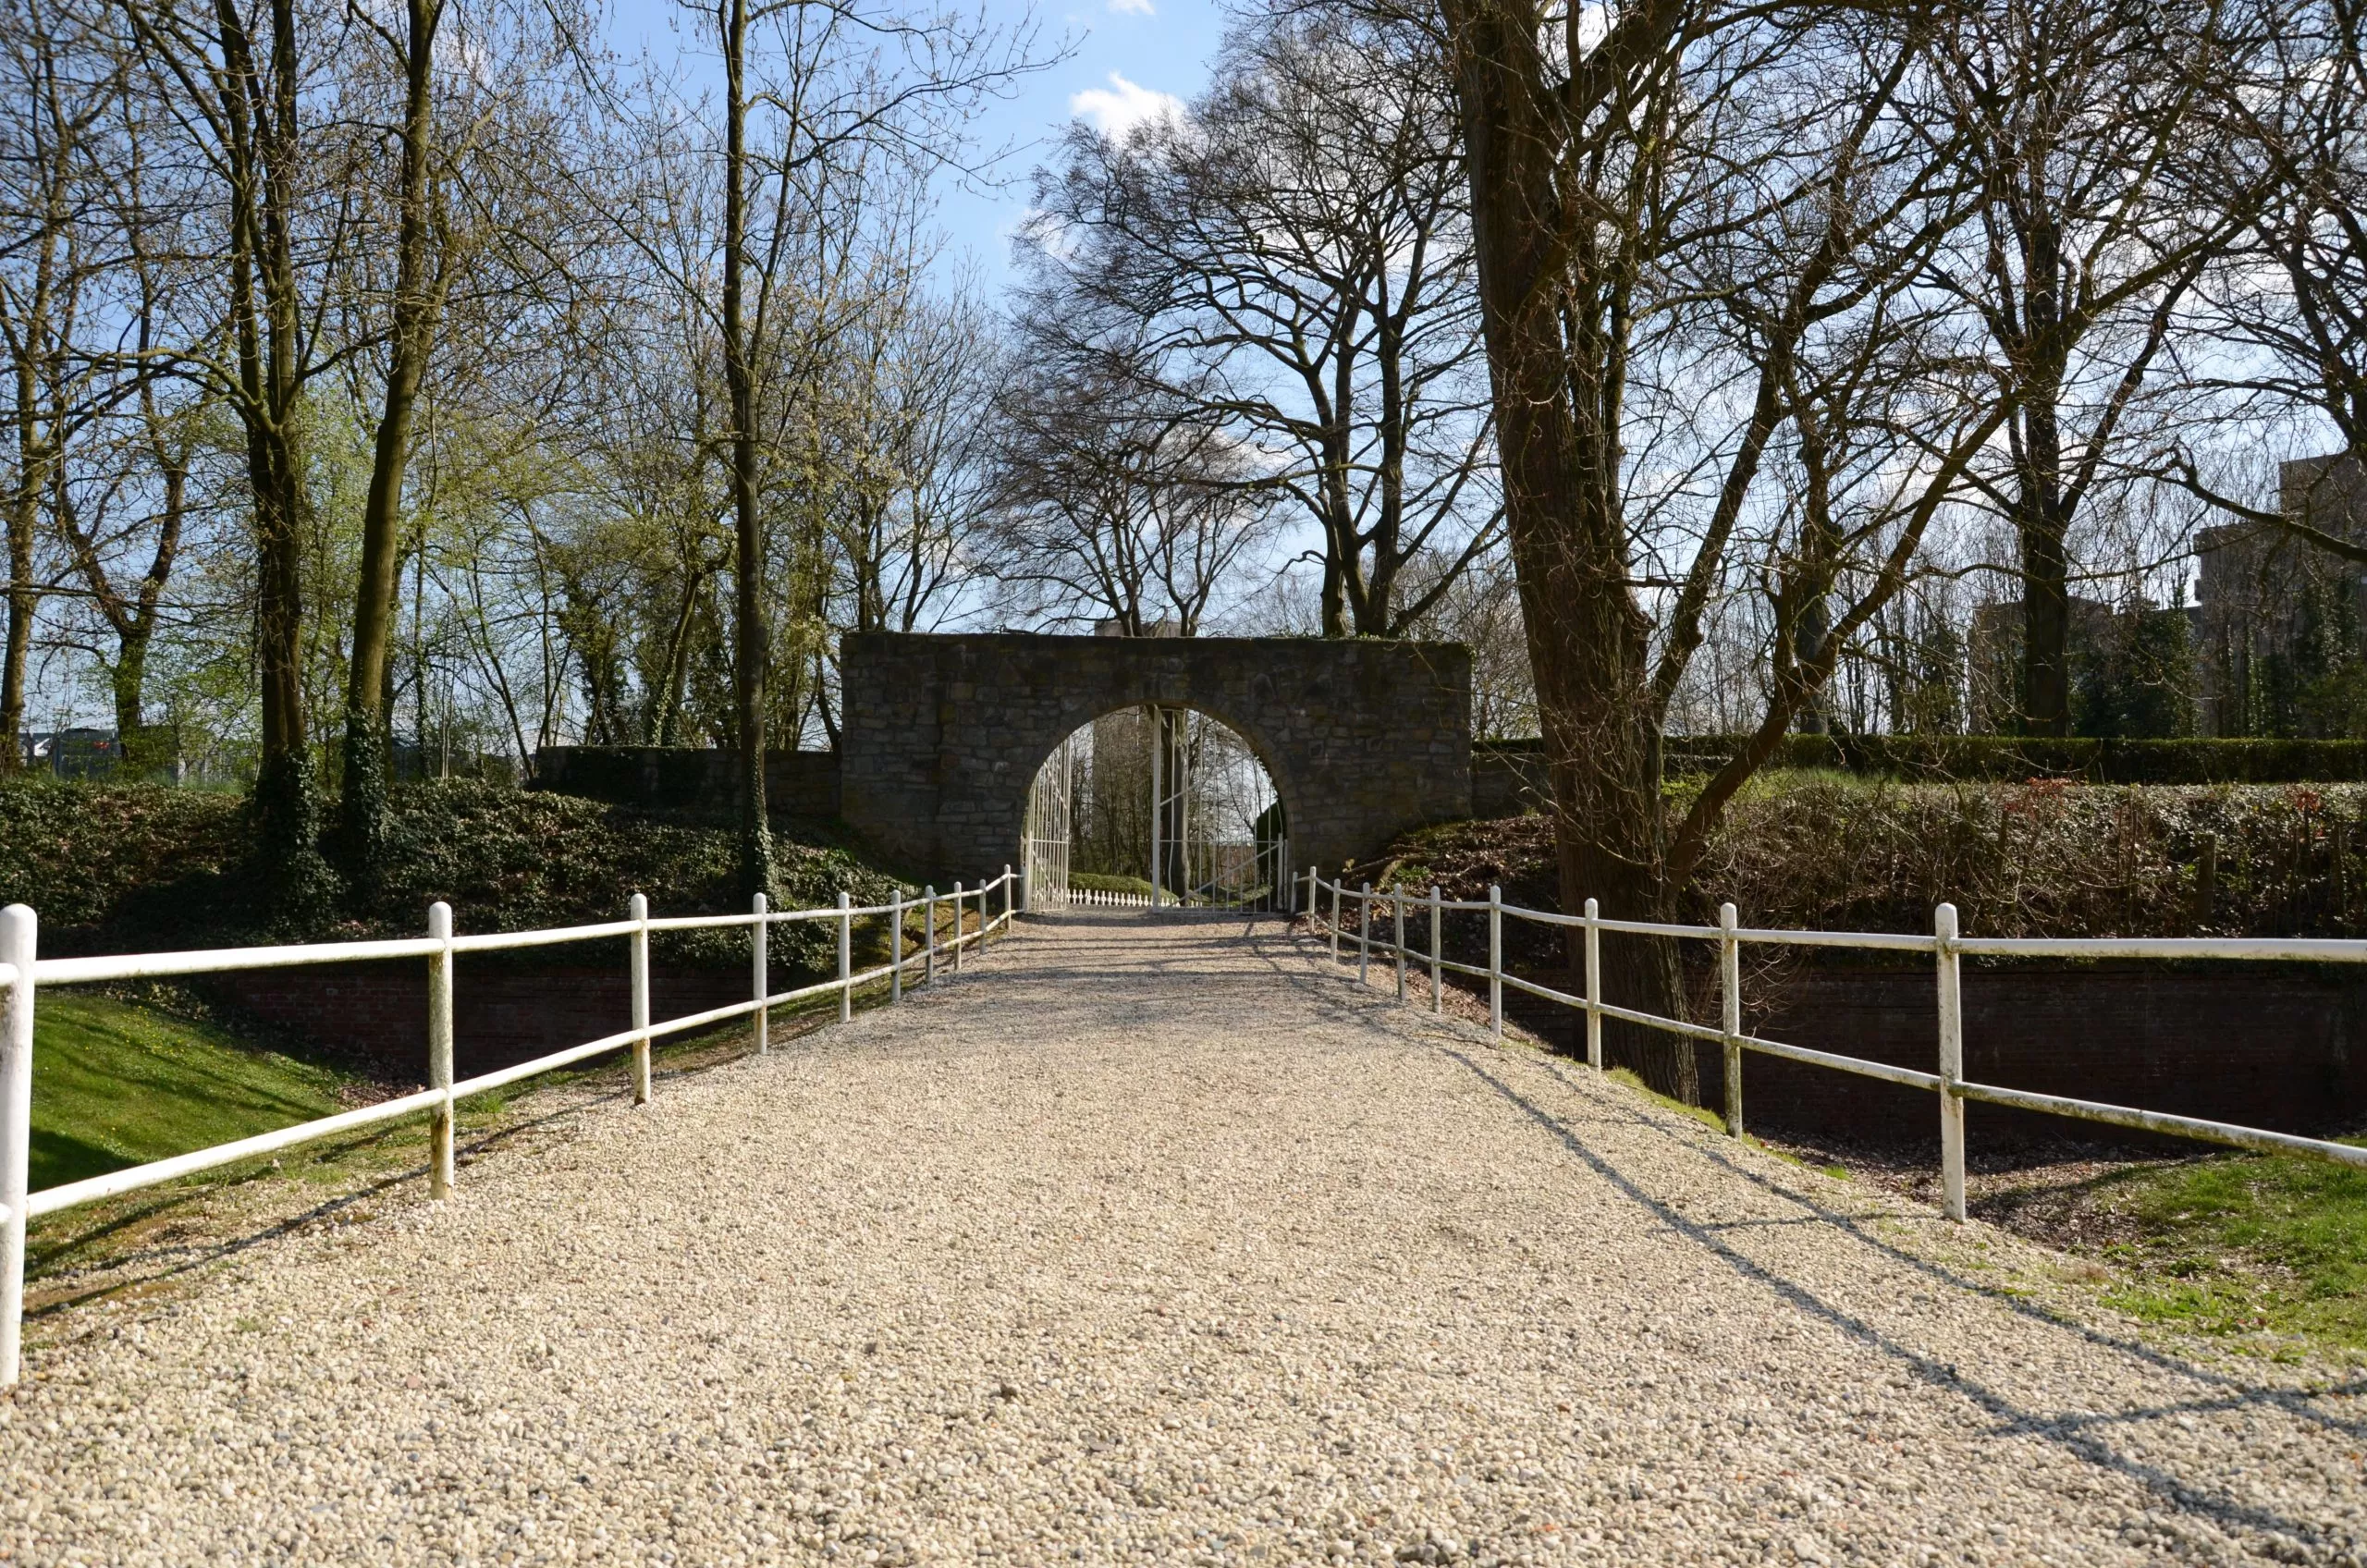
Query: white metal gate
(1157, 807)
(1050, 812)
(1217, 836)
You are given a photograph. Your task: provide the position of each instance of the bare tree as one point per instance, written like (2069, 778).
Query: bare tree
(2076, 120)
(1294, 257)
(243, 85)
(418, 297)
(2286, 309)
(917, 433)
(1649, 181)
(1113, 501)
(818, 99)
(61, 77)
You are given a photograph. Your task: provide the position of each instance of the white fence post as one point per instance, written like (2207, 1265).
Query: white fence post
(1397, 916)
(1336, 887)
(19, 934)
(957, 928)
(1009, 894)
(928, 928)
(439, 1053)
(1594, 989)
(846, 959)
(1363, 932)
(1496, 961)
(1730, 1000)
(1944, 931)
(760, 970)
(1437, 996)
(639, 915)
(895, 947)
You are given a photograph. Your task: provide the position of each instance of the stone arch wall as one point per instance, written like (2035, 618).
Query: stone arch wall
(943, 734)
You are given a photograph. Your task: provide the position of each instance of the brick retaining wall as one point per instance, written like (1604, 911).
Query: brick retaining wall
(500, 1015)
(2263, 1045)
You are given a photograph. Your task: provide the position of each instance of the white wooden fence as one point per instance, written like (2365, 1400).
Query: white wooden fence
(24, 974)
(1947, 948)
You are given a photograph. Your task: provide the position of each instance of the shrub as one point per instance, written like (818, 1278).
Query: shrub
(2043, 858)
(2014, 758)
(143, 866)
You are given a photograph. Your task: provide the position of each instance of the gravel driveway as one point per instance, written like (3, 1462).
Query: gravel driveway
(1154, 1242)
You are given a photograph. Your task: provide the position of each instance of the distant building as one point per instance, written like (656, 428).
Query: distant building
(71, 754)
(2280, 619)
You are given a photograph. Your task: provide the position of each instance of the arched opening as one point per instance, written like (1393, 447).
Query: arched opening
(1157, 807)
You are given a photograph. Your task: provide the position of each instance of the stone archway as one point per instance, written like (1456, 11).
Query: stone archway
(943, 734)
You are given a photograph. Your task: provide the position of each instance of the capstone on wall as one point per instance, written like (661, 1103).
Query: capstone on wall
(943, 734)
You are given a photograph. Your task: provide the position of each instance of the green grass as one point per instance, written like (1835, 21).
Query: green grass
(2248, 1245)
(1715, 1121)
(117, 1084)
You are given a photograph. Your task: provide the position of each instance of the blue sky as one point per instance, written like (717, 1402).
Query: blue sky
(1125, 57)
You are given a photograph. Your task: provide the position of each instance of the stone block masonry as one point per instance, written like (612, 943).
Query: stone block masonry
(943, 735)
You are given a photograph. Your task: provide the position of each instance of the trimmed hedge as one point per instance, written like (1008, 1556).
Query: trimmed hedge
(2014, 758)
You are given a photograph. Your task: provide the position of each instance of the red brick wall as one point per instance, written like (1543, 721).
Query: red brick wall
(2265, 1046)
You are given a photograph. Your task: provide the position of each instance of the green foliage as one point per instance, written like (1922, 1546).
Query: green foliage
(1104, 882)
(117, 1084)
(2134, 677)
(2045, 858)
(2246, 1243)
(2315, 683)
(140, 867)
(79, 853)
(1845, 851)
(2014, 758)
(1703, 1114)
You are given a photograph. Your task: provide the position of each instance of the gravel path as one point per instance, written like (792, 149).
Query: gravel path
(1153, 1242)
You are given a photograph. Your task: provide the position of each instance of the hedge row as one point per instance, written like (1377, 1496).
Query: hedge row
(137, 867)
(2044, 858)
(2014, 758)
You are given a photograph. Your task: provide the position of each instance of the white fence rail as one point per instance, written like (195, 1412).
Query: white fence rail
(946, 932)
(1947, 948)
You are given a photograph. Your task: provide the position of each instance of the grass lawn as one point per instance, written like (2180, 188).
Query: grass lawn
(2247, 1245)
(117, 1084)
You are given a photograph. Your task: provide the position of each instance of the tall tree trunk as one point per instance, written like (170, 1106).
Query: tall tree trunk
(259, 107)
(1588, 641)
(126, 680)
(2046, 594)
(361, 825)
(34, 458)
(24, 512)
(750, 653)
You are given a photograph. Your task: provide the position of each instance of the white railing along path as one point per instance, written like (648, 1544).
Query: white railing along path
(1944, 945)
(23, 976)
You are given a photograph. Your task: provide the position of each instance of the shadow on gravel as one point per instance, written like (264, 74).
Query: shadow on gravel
(2293, 1403)
(2075, 1434)
(149, 1267)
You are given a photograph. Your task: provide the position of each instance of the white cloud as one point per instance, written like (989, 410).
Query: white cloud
(1117, 109)
(1132, 8)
